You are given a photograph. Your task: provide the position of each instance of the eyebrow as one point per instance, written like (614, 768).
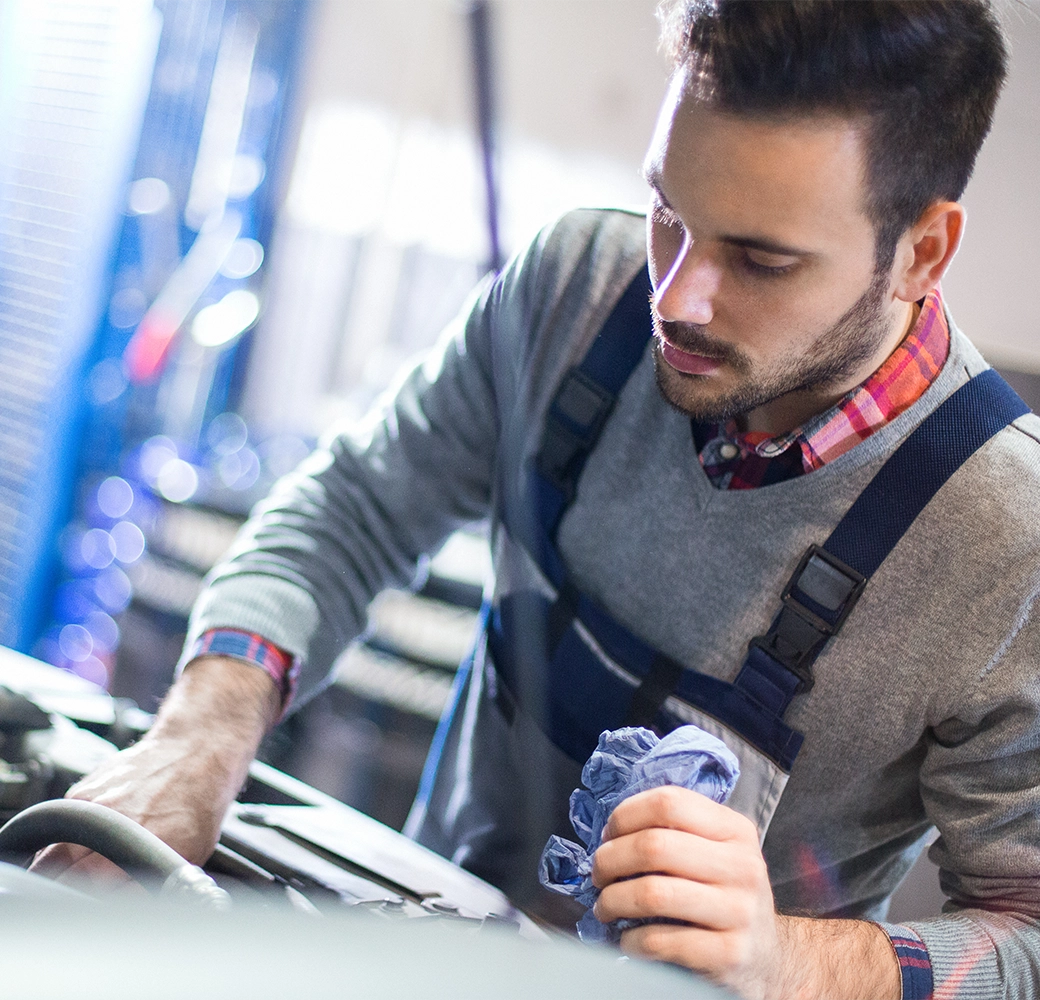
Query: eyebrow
(766, 246)
(652, 177)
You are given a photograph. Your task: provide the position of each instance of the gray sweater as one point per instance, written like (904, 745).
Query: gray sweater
(926, 709)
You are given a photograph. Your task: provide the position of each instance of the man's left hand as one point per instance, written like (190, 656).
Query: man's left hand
(670, 852)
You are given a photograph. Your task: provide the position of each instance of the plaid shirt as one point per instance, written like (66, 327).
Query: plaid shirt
(743, 460)
(732, 459)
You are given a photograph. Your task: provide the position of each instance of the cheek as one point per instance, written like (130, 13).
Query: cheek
(775, 319)
(765, 319)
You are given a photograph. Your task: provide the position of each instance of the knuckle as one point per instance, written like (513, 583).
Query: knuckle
(730, 951)
(649, 940)
(653, 894)
(671, 800)
(653, 847)
(754, 872)
(655, 939)
(743, 910)
(746, 830)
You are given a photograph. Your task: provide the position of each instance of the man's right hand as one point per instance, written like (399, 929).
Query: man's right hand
(180, 778)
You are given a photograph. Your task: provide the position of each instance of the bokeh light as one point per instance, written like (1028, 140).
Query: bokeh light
(115, 497)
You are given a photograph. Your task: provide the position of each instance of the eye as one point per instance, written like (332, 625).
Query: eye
(765, 265)
(664, 216)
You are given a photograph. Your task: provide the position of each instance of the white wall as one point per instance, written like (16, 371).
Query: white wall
(583, 77)
(582, 74)
(991, 287)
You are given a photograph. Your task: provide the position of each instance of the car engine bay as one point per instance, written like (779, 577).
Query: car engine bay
(282, 845)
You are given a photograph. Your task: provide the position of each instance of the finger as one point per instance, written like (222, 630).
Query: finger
(95, 875)
(678, 899)
(670, 852)
(58, 858)
(678, 808)
(187, 832)
(81, 868)
(707, 951)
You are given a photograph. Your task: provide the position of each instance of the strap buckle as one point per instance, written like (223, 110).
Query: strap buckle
(576, 416)
(818, 598)
(823, 590)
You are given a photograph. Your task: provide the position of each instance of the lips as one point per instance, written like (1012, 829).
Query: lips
(684, 361)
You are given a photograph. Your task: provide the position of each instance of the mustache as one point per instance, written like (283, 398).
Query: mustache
(695, 340)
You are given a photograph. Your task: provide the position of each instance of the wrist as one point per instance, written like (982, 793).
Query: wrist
(220, 699)
(251, 648)
(824, 958)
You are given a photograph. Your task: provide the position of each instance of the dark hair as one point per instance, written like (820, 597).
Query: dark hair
(924, 75)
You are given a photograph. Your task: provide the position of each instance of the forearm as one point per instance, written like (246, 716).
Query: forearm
(358, 515)
(822, 959)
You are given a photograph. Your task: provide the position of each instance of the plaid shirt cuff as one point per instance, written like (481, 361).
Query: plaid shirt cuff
(248, 647)
(915, 966)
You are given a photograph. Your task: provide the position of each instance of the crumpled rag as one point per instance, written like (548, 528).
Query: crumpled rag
(628, 761)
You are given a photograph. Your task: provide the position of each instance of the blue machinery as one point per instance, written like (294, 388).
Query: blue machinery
(136, 198)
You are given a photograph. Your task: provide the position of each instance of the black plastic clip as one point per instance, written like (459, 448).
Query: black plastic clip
(818, 598)
(576, 416)
(823, 589)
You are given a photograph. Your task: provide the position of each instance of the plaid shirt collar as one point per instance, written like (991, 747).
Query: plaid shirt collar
(735, 459)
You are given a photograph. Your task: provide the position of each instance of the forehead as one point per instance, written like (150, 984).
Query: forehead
(802, 178)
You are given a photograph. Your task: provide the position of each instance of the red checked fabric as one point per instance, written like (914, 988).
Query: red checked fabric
(760, 459)
(254, 649)
(915, 966)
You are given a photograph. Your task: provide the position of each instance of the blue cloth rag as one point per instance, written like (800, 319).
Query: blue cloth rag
(626, 762)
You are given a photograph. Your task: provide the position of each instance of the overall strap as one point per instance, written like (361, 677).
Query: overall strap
(830, 578)
(906, 483)
(579, 411)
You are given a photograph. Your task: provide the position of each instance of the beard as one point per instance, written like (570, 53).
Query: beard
(831, 359)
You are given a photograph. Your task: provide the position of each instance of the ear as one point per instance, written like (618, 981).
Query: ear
(927, 248)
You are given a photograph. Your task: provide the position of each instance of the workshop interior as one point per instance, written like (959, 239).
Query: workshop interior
(225, 226)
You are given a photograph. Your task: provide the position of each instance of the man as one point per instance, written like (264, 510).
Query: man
(805, 173)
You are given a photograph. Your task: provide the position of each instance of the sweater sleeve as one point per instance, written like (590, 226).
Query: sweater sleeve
(360, 513)
(981, 786)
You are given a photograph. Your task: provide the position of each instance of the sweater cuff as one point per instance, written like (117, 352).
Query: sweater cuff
(915, 964)
(285, 614)
(962, 946)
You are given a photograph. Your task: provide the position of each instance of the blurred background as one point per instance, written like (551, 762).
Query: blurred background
(226, 223)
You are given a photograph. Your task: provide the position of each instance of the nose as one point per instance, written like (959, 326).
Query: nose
(686, 294)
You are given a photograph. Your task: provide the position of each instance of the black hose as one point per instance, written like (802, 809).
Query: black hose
(109, 833)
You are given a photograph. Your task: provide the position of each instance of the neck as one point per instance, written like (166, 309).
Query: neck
(784, 414)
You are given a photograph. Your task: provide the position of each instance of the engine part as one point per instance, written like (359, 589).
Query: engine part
(284, 845)
(18, 714)
(42, 751)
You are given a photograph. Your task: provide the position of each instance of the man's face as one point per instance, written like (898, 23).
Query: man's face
(767, 299)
